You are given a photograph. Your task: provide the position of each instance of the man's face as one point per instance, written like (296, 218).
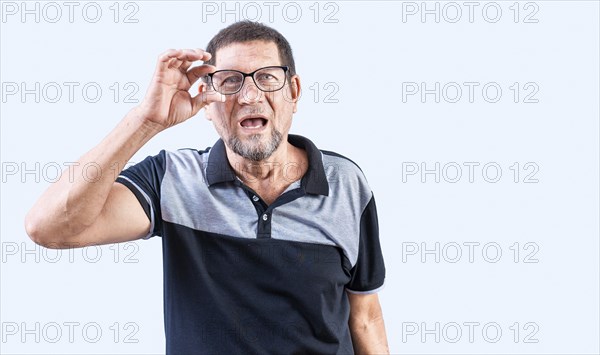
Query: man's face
(253, 123)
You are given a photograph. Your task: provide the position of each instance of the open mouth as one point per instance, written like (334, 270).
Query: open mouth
(253, 122)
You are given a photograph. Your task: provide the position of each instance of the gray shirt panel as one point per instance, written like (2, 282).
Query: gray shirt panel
(186, 199)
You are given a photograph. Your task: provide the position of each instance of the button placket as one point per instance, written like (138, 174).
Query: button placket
(264, 225)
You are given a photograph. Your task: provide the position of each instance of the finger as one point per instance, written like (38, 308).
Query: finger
(197, 72)
(185, 66)
(183, 55)
(179, 61)
(166, 58)
(192, 53)
(175, 63)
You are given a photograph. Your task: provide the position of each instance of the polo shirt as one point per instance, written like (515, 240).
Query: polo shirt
(241, 276)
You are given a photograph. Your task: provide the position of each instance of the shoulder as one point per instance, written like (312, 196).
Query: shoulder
(342, 165)
(341, 160)
(166, 161)
(182, 157)
(165, 155)
(187, 164)
(187, 154)
(343, 174)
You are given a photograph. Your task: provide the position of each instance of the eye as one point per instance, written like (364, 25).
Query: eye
(266, 76)
(233, 79)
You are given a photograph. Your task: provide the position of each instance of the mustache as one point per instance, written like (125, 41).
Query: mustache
(251, 111)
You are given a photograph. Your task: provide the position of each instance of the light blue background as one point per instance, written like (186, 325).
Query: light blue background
(366, 55)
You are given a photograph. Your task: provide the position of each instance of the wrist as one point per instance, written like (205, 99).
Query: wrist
(138, 118)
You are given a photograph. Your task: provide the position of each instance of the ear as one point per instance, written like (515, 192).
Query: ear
(203, 88)
(295, 87)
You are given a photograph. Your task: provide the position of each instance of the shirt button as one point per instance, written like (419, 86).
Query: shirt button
(265, 217)
(254, 198)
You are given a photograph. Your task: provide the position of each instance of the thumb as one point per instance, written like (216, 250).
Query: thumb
(196, 73)
(206, 97)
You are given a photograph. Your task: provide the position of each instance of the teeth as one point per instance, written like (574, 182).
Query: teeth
(258, 123)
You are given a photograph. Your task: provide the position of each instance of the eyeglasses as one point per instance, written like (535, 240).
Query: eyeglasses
(229, 82)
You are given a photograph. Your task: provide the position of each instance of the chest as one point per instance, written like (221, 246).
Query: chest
(279, 212)
(269, 193)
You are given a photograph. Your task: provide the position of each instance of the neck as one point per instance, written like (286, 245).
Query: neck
(286, 163)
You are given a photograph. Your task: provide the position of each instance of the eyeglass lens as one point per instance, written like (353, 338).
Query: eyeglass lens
(266, 79)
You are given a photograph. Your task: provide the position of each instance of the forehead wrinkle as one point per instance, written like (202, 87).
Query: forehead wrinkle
(248, 56)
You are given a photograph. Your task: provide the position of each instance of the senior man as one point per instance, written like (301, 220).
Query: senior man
(270, 245)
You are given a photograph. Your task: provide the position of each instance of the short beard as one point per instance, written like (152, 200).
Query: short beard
(254, 150)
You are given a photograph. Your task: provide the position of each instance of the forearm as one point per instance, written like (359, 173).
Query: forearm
(368, 335)
(74, 202)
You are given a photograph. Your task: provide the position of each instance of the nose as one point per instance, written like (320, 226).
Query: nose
(249, 94)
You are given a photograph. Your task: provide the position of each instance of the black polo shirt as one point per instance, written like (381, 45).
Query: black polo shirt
(241, 276)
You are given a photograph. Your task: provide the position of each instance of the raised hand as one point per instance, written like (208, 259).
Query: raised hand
(167, 100)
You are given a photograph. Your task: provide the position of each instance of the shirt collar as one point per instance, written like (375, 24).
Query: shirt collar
(314, 181)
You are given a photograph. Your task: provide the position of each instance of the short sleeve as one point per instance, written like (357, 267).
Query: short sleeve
(368, 274)
(144, 180)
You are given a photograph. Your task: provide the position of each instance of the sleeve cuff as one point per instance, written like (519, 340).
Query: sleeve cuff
(368, 292)
(142, 197)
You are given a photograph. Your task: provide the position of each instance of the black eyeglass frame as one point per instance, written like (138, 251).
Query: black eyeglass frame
(285, 72)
